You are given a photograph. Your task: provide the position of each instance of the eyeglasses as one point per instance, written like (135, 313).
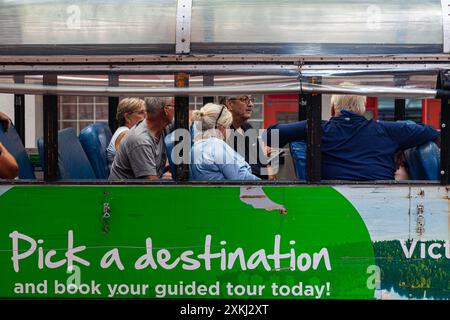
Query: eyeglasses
(221, 110)
(141, 112)
(245, 99)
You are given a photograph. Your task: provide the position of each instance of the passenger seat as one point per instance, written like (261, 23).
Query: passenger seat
(95, 139)
(73, 164)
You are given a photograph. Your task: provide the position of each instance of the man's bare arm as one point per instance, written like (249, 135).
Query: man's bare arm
(8, 165)
(5, 121)
(151, 177)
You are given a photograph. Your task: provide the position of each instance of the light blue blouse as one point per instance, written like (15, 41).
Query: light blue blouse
(213, 159)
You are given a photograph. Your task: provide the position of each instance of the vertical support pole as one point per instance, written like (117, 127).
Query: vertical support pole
(113, 102)
(19, 110)
(314, 134)
(208, 80)
(50, 130)
(302, 104)
(181, 122)
(400, 109)
(444, 83)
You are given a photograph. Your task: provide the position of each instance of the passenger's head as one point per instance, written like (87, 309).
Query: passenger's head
(353, 103)
(241, 107)
(130, 111)
(213, 117)
(160, 109)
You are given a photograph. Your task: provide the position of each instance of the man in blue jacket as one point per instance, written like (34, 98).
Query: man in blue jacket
(353, 147)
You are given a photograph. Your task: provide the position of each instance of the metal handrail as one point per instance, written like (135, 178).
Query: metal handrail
(293, 87)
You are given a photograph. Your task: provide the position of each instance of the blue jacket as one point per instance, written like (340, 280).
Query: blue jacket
(354, 148)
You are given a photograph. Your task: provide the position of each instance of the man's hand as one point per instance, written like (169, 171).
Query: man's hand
(5, 121)
(271, 174)
(167, 176)
(438, 141)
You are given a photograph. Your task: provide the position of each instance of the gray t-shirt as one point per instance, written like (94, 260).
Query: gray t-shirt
(140, 154)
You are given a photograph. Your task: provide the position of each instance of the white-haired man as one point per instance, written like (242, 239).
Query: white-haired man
(353, 147)
(142, 153)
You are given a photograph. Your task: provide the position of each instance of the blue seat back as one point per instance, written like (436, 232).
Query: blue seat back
(14, 145)
(40, 147)
(72, 160)
(299, 157)
(424, 162)
(95, 139)
(169, 142)
(193, 131)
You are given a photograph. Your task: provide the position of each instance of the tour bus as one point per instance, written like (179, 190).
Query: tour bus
(67, 231)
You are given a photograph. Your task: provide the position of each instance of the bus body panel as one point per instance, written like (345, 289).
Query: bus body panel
(365, 231)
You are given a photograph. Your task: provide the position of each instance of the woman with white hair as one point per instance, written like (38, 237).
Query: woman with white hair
(212, 158)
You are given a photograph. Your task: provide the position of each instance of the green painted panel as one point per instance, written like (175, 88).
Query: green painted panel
(179, 219)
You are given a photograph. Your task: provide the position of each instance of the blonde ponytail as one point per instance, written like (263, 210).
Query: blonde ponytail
(197, 115)
(212, 113)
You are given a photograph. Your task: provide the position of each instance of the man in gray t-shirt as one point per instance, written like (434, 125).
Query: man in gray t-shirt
(142, 153)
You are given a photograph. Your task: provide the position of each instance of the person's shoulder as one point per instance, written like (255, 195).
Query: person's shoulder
(121, 129)
(137, 135)
(400, 124)
(119, 132)
(390, 128)
(216, 140)
(216, 143)
(396, 124)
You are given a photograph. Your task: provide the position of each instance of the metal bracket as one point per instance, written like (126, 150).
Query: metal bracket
(106, 216)
(183, 28)
(106, 211)
(420, 220)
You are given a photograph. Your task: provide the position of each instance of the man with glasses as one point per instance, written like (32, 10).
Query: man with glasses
(244, 139)
(142, 153)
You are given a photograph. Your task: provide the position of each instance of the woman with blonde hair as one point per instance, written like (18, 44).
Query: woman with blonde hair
(129, 112)
(212, 158)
